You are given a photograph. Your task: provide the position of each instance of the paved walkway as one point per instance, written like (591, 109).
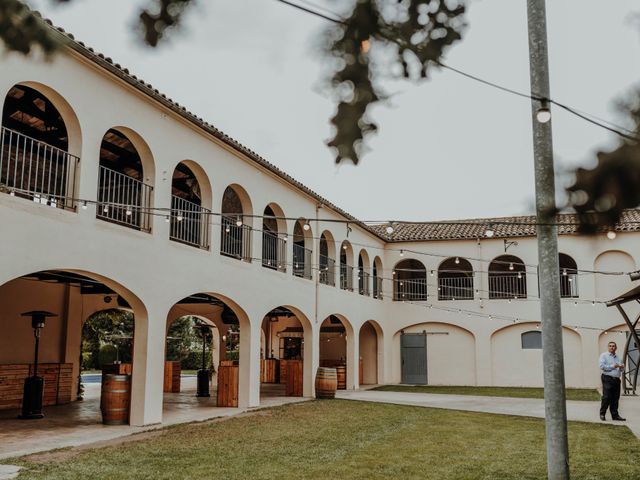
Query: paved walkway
(79, 423)
(525, 407)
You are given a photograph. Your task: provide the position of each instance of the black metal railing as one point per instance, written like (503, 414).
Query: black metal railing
(363, 283)
(327, 271)
(36, 170)
(346, 277)
(507, 286)
(235, 240)
(302, 261)
(455, 288)
(412, 290)
(123, 200)
(377, 288)
(189, 223)
(568, 284)
(274, 252)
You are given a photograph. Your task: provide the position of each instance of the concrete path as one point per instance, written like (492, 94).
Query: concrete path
(525, 407)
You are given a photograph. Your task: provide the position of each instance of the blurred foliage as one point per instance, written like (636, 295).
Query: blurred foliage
(111, 327)
(378, 40)
(182, 338)
(600, 194)
(21, 30)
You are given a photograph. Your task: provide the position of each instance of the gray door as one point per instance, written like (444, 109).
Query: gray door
(413, 351)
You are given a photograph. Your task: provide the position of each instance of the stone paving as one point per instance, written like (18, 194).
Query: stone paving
(79, 423)
(526, 407)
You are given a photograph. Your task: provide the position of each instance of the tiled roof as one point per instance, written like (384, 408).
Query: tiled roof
(123, 73)
(503, 227)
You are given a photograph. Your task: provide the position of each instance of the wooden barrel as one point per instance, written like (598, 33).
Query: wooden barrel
(115, 399)
(293, 387)
(341, 372)
(326, 382)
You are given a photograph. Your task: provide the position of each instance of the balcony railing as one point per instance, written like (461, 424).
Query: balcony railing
(327, 271)
(274, 252)
(513, 285)
(455, 288)
(235, 241)
(377, 288)
(346, 277)
(413, 290)
(363, 283)
(568, 285)
(302, 261)
(123, 200)
(37, 171)
(189, 223)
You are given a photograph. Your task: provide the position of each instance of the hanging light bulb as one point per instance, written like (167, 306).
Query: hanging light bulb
(306, 227)
(393, 273)
(344, 247)
(611, 234)
(179, 217)
(167, 219)
(128, 211)
(389, 228)
(511, 266)
(457, 260)
(593, 303)
(543, 114)
(519, 275)
(431, 273)
(12, 193)
(564, 272)
(239, 222)
(105, 209)
(227, 229)
(84, 205)
(489, 232)
(575, 304)
(402, 253)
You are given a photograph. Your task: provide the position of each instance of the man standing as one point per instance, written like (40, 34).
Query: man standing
(611, 367)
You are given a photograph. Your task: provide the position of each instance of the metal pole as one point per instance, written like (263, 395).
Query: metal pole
(36, 333)
(553, 364)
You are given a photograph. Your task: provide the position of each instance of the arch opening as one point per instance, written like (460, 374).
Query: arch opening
(302, 251)
(336, 343)
(346, 266)
(274, 239)
(507, 278)
(235, 231)
(36, 163)
(455, 279)
(327, 259)
(568, 276)
(364, 277)
(123, 195)
(190, 197)
(377, 278)
(409, 281)
(371, 353)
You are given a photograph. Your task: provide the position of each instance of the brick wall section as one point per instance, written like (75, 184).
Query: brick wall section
(57, 383)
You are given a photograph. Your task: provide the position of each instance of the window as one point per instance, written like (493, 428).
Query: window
(532, 340)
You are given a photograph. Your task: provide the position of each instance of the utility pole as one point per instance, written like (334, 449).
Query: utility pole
(548, 274)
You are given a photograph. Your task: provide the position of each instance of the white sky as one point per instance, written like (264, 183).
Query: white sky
(446, 148)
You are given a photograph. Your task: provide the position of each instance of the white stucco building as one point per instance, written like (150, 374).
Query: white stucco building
(112, 195)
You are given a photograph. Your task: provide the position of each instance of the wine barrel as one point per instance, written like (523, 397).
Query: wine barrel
(341, 373)
(326, 382)
(115, 399)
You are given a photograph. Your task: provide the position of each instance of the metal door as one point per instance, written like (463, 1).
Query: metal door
(413, 351)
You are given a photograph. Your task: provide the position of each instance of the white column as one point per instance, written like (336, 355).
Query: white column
(249, 381)
(483, 358)
(311, 359)
(353, 359)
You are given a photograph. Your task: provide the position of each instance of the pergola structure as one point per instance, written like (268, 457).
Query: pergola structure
(631, 356)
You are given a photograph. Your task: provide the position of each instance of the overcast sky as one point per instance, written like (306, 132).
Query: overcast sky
(447, 148)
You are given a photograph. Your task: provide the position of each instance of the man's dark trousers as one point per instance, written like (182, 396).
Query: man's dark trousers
(610, 395)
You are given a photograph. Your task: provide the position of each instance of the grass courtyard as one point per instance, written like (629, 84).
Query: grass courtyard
(587, 394)
(348, 439)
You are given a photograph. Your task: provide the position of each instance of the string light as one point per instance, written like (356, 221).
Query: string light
(84, 205)
(306, 227)
(389, 228)
(128, 211)
(457, 261)
(179, 217)
(105, 209)
(611, 235)
(167, 219)
(239, 222)
(511, 266)
(402, 253)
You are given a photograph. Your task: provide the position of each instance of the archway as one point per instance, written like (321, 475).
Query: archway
(371, 350)
(327, 259)
(40, 139)
(568, 276)
(336, 349)
(409, 281)
(215, 325)
(363, 273)
(125, 180)
(236, 221)
(378, 277)
(610, 286)
(507, 278)
(286, 356)
(190, 205)
(274, 238)
(346, 266)
(455, 279)
(302, 249)
(76, 299)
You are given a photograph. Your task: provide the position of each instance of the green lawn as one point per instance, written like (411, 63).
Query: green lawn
(519, 392)
(340, 439)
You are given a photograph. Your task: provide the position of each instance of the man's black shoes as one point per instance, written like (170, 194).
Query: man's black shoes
(618, 418)
(603, 418)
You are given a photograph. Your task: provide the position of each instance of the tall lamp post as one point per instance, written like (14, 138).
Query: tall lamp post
(203, 373)
(34, 385)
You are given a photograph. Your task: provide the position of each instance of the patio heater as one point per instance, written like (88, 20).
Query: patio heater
(203, 373)
(34, 385)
